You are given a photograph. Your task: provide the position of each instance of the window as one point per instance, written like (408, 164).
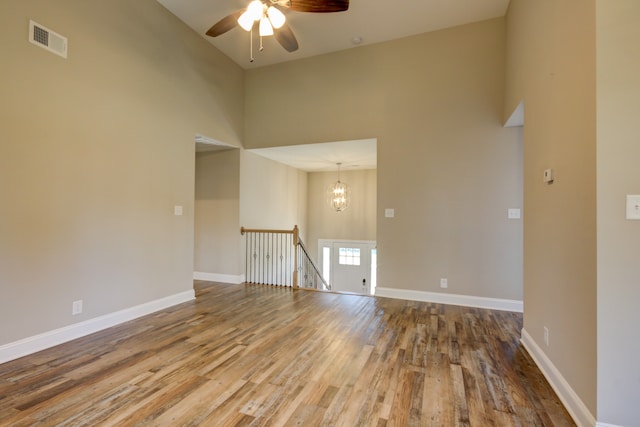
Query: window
(374, 270)
(349, 256)
(326, 263)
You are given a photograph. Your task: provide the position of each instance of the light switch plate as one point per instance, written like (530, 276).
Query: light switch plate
(76, 307)
(513, 213)
(389, 213)
(177, 210)
(633, 207)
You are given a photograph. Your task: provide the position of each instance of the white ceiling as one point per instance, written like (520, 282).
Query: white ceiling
(373, 21)
(353, 155)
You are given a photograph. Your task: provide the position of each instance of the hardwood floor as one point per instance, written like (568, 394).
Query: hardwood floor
(252, 355)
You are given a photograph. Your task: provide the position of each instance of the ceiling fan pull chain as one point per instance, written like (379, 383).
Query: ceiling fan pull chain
(251, 46)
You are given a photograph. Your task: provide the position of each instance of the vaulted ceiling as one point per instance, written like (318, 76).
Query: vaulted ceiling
(366, 22)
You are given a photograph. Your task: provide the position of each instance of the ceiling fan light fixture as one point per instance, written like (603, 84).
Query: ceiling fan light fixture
(265, 27)
(256, 10)
(246, 21)
(276, 17)
(270, 17)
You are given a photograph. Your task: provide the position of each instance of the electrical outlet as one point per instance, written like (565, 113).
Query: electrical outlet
(444, 283)
(546, 336)
(76, 308)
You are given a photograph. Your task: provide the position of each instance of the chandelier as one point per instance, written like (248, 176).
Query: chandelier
(339, 194)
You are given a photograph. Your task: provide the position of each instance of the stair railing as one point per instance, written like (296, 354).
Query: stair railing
(280, 258)
(309, 275)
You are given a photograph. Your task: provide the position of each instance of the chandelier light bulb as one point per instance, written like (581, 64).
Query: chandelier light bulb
(339, 196)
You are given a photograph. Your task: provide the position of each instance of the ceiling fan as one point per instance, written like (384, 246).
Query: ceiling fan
(267, 16)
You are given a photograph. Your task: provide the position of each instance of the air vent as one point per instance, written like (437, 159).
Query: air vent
(47, 39)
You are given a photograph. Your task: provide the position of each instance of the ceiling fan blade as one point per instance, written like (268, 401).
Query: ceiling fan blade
(225, 24)
(319, 6)
(285, 37)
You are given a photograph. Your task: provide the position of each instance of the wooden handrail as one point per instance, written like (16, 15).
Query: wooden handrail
(259, 230)
(295, 238)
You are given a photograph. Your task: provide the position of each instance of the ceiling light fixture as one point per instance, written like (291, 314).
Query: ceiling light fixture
(246, 21)
(339, 194)
(269, 18)
(265, 27)
(276, 17)
(256, 9)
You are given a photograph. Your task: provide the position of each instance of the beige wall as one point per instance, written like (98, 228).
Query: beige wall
(95, 151)
(618, 150)
(551, 58)
(217, 213)
(272, 195)
(445, 163)
(358, 222)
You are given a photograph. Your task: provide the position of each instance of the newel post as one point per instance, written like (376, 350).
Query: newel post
(295, 256)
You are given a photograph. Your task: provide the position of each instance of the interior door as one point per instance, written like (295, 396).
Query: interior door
(351, 267)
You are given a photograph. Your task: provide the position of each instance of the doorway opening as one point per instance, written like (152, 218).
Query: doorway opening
(349, 265)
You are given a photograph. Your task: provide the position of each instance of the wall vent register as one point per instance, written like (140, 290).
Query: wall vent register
(47, 39)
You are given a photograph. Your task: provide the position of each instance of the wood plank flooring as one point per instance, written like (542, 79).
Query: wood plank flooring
(253, 355)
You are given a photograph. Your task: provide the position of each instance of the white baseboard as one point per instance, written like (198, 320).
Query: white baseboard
(52, 338)
(607, 425)
(453, 299)
(222, 278)
(576, 407)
